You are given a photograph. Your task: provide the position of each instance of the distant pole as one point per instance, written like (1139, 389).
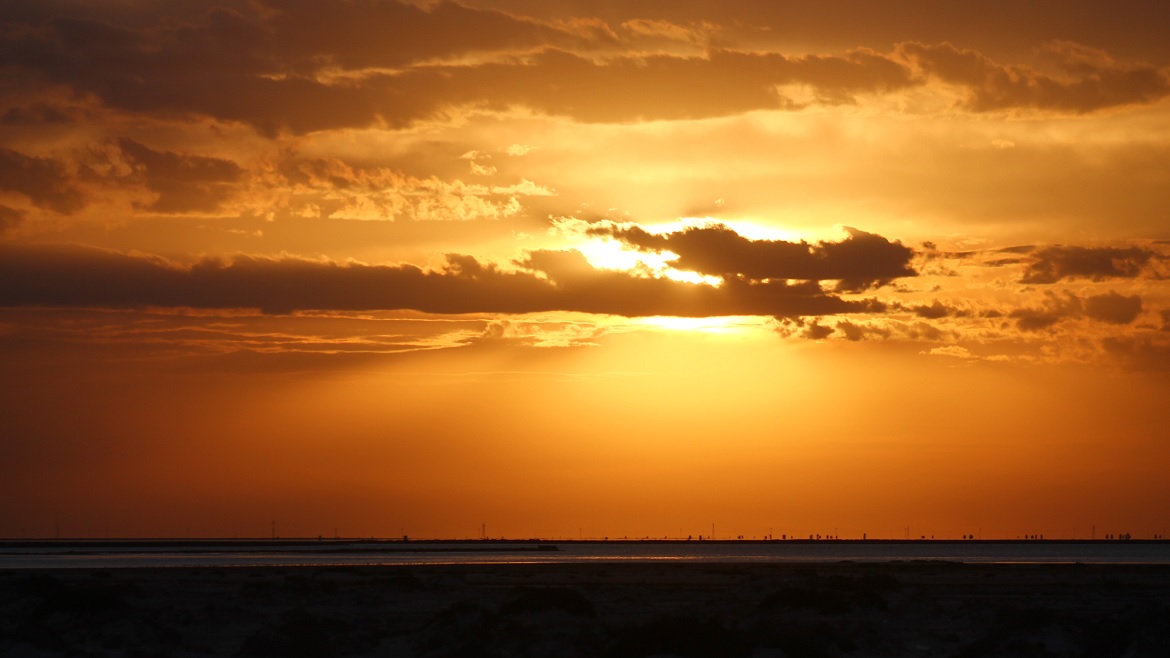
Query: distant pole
(274, 528)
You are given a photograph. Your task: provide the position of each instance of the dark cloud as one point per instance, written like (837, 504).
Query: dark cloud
(627, 89)
(933, 312)
(1054, 309)
(1036, 319)
(1092, 80)
(258, 63)
(10, 218)
(274, 65)
(1003, 262)
(1113, 308)
(183, 183)
(860, 261)
(815, 331)
(358, 35)
(1141, 353)
(224, 64)
(619, 293)
(1134, 27)
(1097, 263)
(924, 331)
(552, 281)
(856, 332)
(272, 89)
(38, 113)
(45, 182)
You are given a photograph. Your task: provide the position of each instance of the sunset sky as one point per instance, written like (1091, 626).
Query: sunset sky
(590, 268)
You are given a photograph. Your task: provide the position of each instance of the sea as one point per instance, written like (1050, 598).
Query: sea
(117, 554)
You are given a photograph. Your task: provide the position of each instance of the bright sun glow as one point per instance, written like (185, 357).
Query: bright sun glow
(718, 325)
(609, 254)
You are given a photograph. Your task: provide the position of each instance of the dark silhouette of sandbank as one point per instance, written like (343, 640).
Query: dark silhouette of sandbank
(612, 609)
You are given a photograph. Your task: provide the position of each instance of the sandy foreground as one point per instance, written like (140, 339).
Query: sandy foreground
(610, 609)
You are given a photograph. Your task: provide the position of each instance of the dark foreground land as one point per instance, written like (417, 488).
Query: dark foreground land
(608, 610)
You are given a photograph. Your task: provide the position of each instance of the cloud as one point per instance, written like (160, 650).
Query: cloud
(955, 351)
(302, 66)
(933, 312)
(1006, 25)
(330, 187)
(524, 188)
(39, 113)
(1141, 353)
(1113, 307)
(359, 35)
(855, 331)
(10, 218)
(308, 66)
(176, 182)
(482, 170)
(549, 281)
(1055, 263)
(663, 29)
(815, 331)
(860, 261)
(183, 183)
(45, 182)
(621, 293)
(1092, 80)
(538, 334)
(1037, 319)
(627, 89)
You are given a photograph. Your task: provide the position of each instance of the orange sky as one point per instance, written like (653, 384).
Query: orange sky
(584, 268)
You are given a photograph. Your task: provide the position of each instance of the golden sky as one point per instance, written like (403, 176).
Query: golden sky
(584, 268)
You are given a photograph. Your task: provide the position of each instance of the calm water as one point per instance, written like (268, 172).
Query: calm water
(113, 554)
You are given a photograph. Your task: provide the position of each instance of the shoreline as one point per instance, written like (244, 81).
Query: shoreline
(608, 609)
(321, 541)
(280, 553)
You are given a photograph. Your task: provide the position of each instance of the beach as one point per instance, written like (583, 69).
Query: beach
(911, 608)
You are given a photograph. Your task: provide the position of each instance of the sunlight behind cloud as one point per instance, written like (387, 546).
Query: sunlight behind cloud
(609, 254)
